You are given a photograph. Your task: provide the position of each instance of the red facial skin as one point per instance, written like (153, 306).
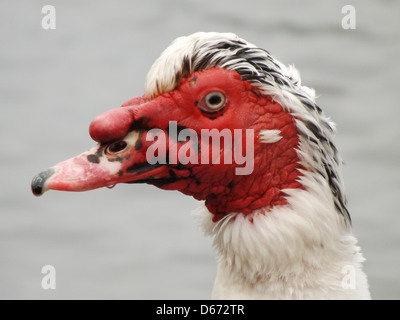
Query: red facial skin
(275, 165)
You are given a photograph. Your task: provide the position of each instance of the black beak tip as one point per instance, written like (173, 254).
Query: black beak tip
(39, 181)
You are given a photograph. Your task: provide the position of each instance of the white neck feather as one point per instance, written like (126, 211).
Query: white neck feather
(303, 250)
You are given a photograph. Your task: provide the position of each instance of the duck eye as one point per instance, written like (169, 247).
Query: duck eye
(115, 147)
(213, 102)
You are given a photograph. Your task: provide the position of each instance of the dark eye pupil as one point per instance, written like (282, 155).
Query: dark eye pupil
(117, 146)
(212, 102)
(215, 99)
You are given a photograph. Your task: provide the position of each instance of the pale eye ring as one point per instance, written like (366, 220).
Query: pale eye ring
(213, 102)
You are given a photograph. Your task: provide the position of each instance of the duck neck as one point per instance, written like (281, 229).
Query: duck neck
(303, 249)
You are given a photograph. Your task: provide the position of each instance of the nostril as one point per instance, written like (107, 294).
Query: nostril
(115, 147)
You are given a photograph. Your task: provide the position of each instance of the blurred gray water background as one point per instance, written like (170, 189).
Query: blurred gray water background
(138, 242)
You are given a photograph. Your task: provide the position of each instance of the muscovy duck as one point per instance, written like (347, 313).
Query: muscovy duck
(223, 121)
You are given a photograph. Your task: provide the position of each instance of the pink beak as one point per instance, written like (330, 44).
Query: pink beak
(120, 156)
